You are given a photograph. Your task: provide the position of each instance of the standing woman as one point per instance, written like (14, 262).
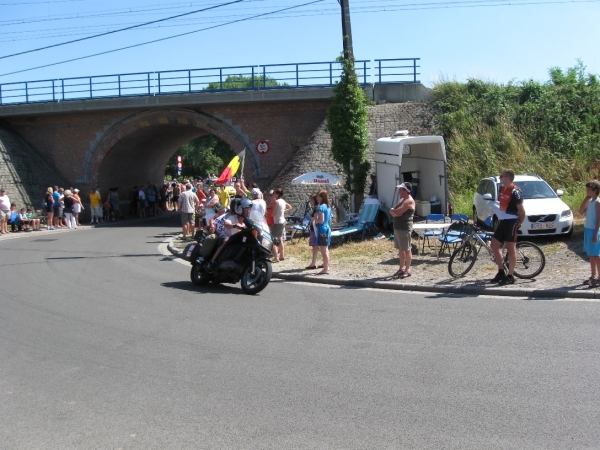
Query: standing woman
(68, 209)
(49, 209)
(321, 222)
(209, 207)
(312, 237)
(403, 214)
(77, 207)
(591, 230)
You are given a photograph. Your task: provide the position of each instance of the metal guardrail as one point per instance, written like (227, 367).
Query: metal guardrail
(237, 78)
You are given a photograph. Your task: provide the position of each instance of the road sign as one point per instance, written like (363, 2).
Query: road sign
(262, 147)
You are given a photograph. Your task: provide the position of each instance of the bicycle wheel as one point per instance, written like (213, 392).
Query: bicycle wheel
(462, 260)
(530, 260)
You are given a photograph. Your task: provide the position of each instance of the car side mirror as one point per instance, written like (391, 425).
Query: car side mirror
(560, 192)
(487, 196)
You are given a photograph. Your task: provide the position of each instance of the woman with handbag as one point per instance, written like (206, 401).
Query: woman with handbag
(323, 229)
(312, 237)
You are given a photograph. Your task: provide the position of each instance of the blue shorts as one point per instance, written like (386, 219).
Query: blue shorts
(588, 247)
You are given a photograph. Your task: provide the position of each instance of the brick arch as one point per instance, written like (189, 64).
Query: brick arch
(137, 149)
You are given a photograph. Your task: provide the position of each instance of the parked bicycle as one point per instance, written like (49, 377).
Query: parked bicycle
(530, 258)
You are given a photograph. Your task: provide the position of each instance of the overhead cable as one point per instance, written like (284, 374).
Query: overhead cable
(122, 29)
(162, 39)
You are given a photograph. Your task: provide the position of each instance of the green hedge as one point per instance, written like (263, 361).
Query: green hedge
(552, 129)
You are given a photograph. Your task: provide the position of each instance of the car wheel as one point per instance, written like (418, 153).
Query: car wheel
(570, 232)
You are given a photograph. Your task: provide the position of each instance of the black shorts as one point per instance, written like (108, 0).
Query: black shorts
(507, 230)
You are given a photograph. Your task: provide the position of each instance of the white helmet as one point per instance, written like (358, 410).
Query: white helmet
(242, 204)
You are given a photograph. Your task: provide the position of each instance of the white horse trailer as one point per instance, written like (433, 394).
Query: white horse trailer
(402, 158)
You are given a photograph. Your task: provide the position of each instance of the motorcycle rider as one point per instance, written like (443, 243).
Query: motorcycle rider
(227, 225)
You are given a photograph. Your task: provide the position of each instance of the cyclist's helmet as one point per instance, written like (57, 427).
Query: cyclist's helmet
(242, 204)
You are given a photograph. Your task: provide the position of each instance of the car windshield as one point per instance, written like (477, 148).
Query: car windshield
(535, 189)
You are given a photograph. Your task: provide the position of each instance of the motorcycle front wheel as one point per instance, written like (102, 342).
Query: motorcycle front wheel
(198, 276)
(253, 283)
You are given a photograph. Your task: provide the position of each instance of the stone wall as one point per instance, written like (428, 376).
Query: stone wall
(23, 172)
(384, 120)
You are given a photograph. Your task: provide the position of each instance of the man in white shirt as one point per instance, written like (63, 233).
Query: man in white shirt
(188, 203)
(4, 211)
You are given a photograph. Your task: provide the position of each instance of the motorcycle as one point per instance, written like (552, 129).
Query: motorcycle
(245, 256)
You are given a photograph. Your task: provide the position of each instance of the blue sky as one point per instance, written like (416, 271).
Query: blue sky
(483, 39)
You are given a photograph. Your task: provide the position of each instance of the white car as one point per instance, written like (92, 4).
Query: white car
(546, 213)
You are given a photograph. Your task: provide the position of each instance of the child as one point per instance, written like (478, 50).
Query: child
(591, 244)
(106, 212)
(35, 223)
(24, 219)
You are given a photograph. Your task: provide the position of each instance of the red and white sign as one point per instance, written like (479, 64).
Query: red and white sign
(262, 147)
(317, 178)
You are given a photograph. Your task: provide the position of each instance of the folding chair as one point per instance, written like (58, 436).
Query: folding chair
(301, 229)
(432, 218)
(365, 222)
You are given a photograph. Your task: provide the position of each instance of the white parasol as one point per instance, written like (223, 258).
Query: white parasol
(318, 178)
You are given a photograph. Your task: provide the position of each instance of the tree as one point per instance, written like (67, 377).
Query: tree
(347, 118)
(203, 155)
(244, 82)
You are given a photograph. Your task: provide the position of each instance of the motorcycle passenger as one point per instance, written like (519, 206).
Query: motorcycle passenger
(227, 225)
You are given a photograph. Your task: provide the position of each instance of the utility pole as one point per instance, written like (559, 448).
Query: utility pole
(346, 29)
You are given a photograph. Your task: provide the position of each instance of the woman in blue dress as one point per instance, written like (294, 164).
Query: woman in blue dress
(321, 222)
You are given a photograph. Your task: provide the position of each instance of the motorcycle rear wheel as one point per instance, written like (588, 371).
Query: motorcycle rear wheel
(198, 276)
(253, 283)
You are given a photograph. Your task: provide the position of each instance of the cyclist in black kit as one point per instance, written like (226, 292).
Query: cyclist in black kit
(510, 216)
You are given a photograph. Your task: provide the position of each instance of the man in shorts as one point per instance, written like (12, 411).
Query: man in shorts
(403, 214)
(188, 203)
(511, 215)
(95, 206)
(4, 211)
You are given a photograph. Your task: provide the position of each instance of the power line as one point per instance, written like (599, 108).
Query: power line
(38, 3)
(122, 29)
(104, 13)
(162, 39)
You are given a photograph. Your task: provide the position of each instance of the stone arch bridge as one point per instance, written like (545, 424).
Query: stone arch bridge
(128, 141)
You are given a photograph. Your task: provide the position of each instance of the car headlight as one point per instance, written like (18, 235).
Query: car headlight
(566, 213)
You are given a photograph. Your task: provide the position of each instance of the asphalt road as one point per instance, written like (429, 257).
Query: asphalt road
(105, 344)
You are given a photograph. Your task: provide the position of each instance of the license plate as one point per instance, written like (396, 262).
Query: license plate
(542, 225)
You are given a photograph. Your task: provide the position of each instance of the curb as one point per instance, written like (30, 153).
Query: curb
(464, 290)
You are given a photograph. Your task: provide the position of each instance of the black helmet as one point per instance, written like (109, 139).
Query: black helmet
(241, 205)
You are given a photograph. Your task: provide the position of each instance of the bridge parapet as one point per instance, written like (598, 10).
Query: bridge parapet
(220, 79)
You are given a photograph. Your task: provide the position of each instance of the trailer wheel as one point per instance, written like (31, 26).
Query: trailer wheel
(384, 222)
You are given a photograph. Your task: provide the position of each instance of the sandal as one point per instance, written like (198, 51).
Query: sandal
(399, 274)
(322, 273)
(406, 275)
(589, 281)
(595, 283)
(310, 267)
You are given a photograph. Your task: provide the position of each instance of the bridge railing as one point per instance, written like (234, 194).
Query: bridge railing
(238, 78)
